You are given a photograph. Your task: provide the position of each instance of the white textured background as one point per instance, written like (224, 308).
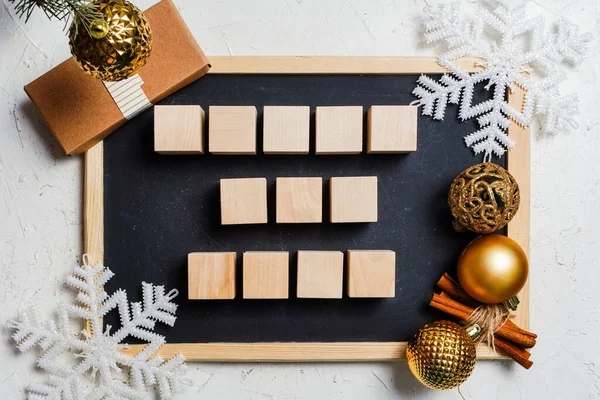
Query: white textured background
(41, 202)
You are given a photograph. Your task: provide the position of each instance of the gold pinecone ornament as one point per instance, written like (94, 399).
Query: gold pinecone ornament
(441, 355)
(483, 198)
(115, 47)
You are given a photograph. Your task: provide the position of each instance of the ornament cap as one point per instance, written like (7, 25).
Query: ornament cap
(98, 28)
(512, 303)
(474, 331)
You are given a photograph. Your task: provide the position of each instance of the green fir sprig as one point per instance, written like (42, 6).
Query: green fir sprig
(81, 12)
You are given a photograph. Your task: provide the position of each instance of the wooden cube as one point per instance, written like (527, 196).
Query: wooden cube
(371, 273)
(320, 274)
(286, 129)
(266, 275)
(353, 199)
(299, 200)
(244, 201)
(392, 129)
(179, 129)
(232, 129)
(339, 130)
(211, 276)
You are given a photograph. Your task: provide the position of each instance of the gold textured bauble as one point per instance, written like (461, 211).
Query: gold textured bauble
(483, 198)
(441, 355)
(492, 269)
(116, 48)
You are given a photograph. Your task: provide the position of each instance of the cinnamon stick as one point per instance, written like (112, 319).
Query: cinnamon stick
(521, 356)
(453, 302)
(444, 305)
(450, 286)
(517, 328)
(462, 312)
(516, 337)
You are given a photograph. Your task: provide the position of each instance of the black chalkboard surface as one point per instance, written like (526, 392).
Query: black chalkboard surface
(159, 208)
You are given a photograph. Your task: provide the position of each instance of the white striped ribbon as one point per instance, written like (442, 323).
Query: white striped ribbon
(129, 96)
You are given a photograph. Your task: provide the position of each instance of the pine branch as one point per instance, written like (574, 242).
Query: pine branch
(81, 12)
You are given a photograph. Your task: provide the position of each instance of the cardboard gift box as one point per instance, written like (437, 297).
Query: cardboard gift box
(80, 111)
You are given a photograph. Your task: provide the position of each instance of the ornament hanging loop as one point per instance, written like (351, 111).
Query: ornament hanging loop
(98, 28)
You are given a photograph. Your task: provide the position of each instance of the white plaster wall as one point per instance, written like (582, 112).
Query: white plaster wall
(41, 194)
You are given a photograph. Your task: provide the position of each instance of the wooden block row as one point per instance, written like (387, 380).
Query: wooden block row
(211, 276)
(299, 200)
(286, 129)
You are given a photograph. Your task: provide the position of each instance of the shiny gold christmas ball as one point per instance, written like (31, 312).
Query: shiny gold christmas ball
(441, 355)
(116, 47)
(483, 198)
(492, 269)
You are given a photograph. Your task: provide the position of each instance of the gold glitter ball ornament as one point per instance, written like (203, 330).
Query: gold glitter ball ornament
(115, 48)
(483, 198)
(441, 355)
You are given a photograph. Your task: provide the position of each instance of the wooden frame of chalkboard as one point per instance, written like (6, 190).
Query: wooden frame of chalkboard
(518, 163)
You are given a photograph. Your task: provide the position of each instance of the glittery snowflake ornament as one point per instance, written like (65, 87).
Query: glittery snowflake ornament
(497, 38)
(91, 366)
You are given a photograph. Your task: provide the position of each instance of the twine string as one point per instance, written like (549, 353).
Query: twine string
(490, 317)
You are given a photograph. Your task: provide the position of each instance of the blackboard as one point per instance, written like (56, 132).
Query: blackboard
(159, 208)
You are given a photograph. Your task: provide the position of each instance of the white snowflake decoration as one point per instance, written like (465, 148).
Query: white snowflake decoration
(98, 355)
(505, 65)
